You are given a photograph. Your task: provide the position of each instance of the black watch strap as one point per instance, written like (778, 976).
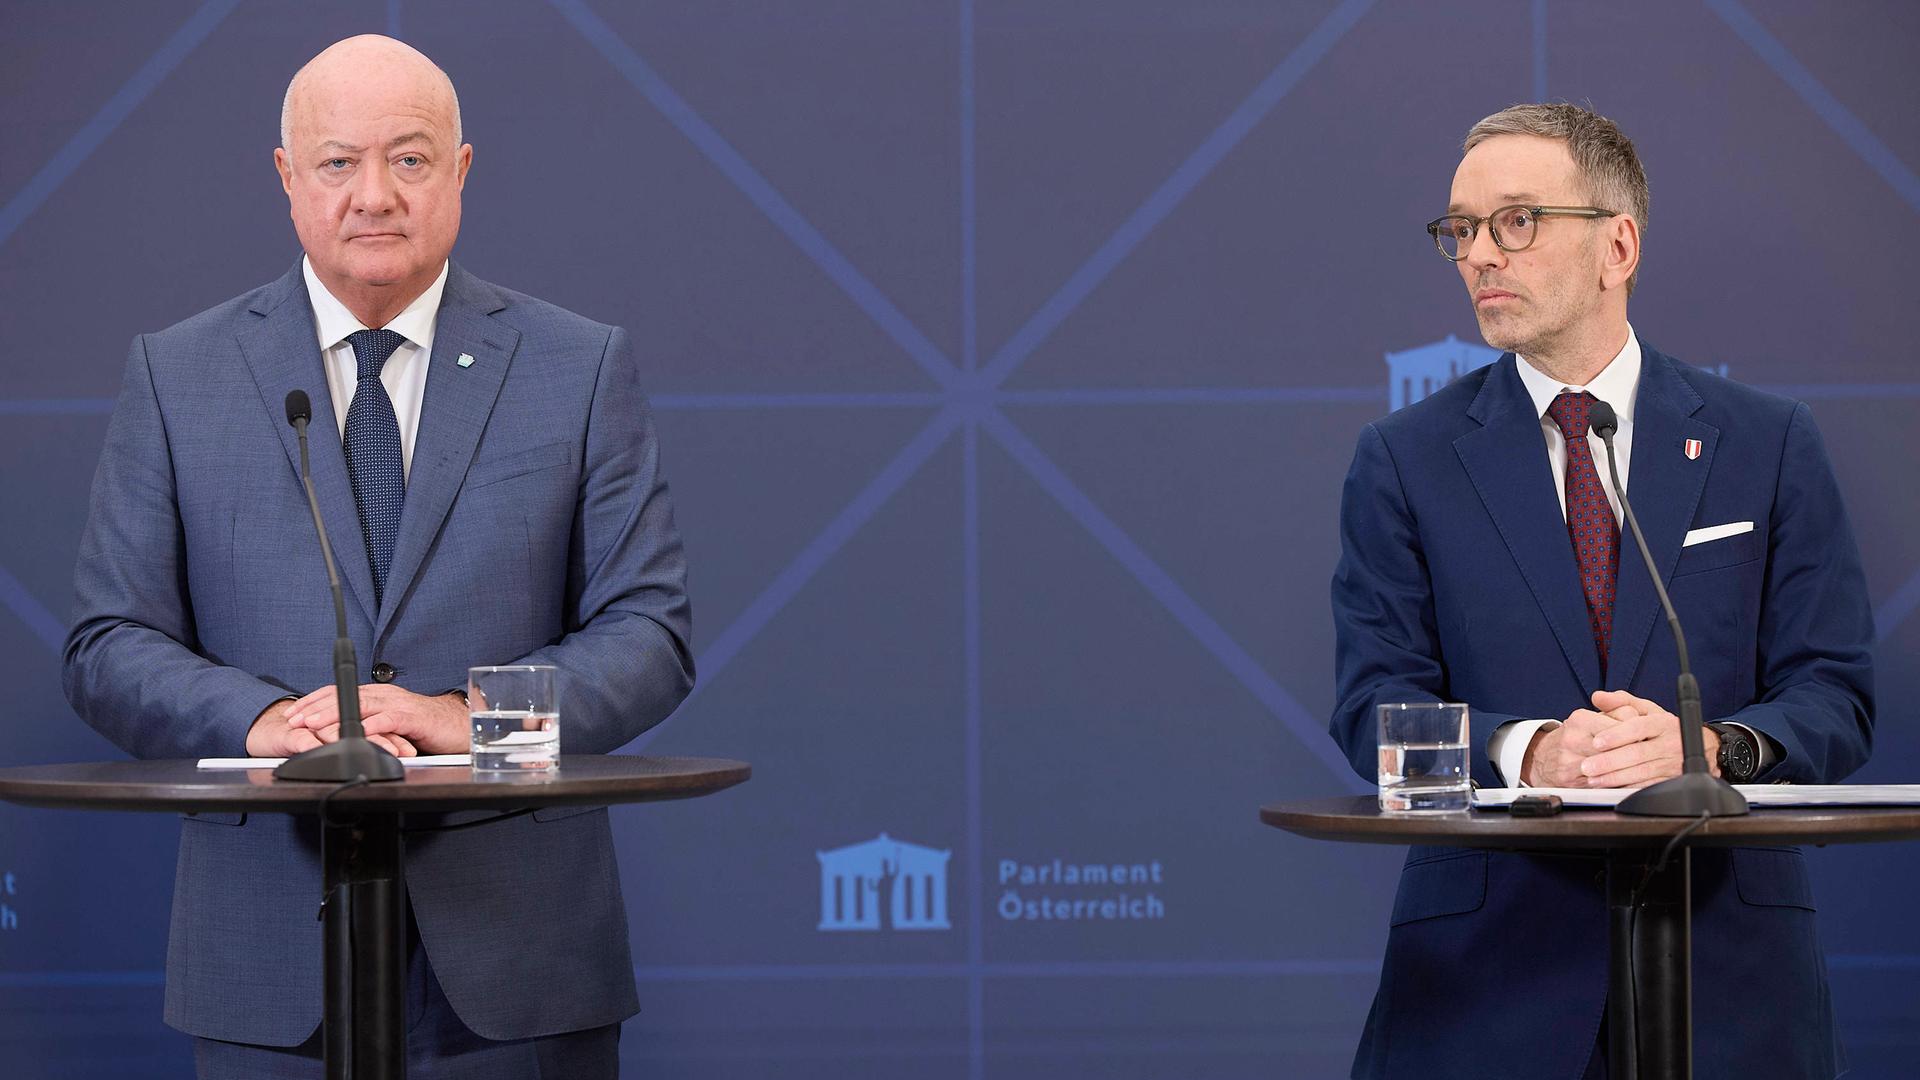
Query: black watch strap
(1739, 758)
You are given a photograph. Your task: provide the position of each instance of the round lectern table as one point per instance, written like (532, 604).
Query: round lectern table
(1650, 1038)
(364, 902)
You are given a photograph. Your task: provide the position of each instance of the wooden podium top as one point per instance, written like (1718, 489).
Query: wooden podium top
(182, 787)
(1358, 819)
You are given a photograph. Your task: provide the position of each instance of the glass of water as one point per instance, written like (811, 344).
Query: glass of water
(516, 719)
(1423, 758)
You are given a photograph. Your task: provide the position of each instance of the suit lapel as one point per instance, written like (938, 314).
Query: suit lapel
(1666, 487)
(1506, 460)
(453, 413)
(283, 351)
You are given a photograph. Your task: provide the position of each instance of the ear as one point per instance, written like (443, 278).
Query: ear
(1622, 256)
(284, 165)
(463, 160)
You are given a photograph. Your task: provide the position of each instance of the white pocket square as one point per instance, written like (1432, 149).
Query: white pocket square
(1716, 532)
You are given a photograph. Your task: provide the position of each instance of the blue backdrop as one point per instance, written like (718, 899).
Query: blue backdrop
(1009, 356)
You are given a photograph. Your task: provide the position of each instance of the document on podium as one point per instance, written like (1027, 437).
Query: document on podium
(421, 762)
(1757, 795)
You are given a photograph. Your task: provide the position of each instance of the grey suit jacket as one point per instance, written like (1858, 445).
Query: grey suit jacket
(537, 528)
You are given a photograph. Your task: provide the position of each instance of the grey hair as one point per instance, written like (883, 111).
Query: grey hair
(1603, 155)
(286, 108)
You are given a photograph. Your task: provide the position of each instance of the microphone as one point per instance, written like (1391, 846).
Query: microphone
(1695, 791)
(352, 757)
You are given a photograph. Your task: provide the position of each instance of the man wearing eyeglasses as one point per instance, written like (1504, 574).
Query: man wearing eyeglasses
(1481, 562)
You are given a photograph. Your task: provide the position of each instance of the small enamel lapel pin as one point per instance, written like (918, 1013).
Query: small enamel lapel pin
(466, 360)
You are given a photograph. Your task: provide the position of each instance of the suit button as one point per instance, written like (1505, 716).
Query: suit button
(383, 672)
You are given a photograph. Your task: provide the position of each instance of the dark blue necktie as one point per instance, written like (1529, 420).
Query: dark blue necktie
(372, 446)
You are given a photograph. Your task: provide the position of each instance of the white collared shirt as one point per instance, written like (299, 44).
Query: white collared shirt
(1616, 385)
(405, 373)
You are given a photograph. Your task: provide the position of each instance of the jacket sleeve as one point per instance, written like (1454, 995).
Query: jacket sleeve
(626, 661)
(1815, 649)
(132, 669)
(1386, 636)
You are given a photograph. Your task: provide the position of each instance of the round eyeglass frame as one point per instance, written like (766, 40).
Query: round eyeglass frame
(1593, 213)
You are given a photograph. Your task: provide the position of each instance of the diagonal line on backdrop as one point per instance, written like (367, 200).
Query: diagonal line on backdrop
(88, 139)
(790, 580)
(29, 610)
(758, 191)
(1896, 608)
(1309, 732)
(1824, 105)
(1176, 188)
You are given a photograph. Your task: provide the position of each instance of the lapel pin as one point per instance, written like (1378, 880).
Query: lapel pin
(466, 360)
(1693, 445)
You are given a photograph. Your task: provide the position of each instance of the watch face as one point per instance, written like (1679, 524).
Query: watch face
(1737, 756)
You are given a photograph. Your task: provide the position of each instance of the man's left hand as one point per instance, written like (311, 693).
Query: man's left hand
(1643, 748)
(435, 725)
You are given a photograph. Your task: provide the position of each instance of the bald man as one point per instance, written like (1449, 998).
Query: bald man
(490, 477)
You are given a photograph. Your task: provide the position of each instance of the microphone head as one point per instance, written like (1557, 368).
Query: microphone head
(1601, 420)
(300, 409)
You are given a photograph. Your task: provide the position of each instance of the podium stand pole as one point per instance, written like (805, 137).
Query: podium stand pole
(364, 920)
(1650, 983)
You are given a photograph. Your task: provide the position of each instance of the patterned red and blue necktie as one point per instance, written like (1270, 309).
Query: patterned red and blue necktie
(1596, 540)
(374, 465)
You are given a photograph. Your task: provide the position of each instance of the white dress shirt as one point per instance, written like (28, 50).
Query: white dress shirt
(1617, 385)
(405, 373)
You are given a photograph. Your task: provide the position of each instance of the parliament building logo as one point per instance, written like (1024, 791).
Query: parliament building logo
(883, 883)
(1417, 373)
(1414, 374)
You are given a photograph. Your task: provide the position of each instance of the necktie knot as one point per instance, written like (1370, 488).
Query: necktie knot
(371, 348)
(1570, 411)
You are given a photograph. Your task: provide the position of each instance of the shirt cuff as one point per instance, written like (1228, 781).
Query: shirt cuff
(1507, 747)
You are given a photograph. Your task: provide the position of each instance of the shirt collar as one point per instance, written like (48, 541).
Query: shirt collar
(1615, 384)
(334, 322)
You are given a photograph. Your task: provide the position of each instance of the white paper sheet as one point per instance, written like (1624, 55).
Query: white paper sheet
(423, 761)
(1757, 795)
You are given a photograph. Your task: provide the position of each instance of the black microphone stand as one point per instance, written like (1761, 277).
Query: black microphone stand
(352, 756)
(1696, 790)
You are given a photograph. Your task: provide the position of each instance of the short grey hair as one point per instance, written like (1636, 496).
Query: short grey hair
(1604, 157)
(286, 109)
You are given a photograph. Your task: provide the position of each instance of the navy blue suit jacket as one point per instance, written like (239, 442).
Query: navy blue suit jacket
(1457, 583)
(537, 528)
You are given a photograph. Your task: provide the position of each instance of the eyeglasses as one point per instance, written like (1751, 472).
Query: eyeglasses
(1512, 227)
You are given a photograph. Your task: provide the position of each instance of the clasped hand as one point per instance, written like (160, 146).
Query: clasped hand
(1623, 741)
(400, 721)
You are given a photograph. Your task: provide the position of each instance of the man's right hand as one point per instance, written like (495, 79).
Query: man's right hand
(270, 737)
(1554, 758)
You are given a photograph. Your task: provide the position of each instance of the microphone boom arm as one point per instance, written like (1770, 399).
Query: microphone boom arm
(1693, 747)
(1696, 791)
(346, 665)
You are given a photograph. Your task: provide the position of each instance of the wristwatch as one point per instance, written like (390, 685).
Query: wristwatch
(1739, 753)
